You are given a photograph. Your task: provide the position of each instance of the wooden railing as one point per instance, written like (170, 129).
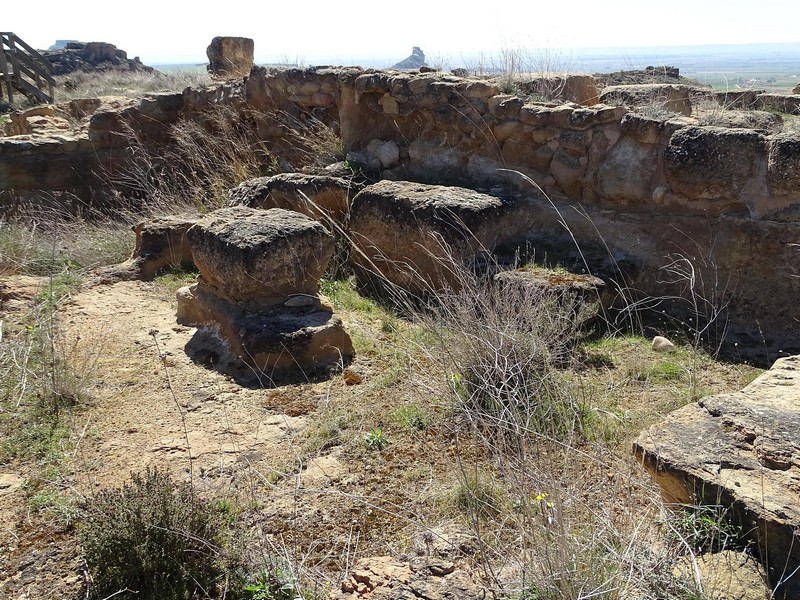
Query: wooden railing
(24, 70)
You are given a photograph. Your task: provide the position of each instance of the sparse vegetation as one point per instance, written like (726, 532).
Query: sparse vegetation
(130, 84)
(495, 402)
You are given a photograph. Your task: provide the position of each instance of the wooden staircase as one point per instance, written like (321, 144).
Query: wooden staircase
(24, 70)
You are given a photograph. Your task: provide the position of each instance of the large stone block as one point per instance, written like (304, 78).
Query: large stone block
(417, 236)
(249, 255)
(713, 163)
(740, 451)
(318, 196)
(230, 56)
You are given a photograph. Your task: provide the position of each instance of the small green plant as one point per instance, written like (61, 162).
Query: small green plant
(328, 432)
(376, 439)
(275, 582)
(59, 508)
(478, 496)
(411, 417)
(706, 528)
(156, 538)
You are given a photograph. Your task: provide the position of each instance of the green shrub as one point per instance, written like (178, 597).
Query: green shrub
(157, 539)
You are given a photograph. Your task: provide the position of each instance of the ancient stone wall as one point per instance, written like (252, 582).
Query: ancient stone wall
(637, 193)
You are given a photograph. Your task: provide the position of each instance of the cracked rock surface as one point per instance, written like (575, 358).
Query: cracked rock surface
(740, 450)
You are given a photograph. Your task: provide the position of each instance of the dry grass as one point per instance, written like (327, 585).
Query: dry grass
(130, 84)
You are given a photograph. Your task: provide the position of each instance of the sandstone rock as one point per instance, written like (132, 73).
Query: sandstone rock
(796, 89)
(386, 153)
(230, 56)
(384, 578)
(789, 105)
(582, 294)
(578, 88)
(662, 344)
(318, 196)
(674, 98)
(740, 451)
(275, 341)
(783, 175)
(250, 255)
(627, 174)
(413, 235)
(751, 119)
(257, 294)
(712, 163)
(727, 575)
(741, 99)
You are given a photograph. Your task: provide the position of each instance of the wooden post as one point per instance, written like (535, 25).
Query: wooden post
(4, 69)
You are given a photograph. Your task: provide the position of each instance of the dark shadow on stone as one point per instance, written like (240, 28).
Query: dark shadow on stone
(207, 350)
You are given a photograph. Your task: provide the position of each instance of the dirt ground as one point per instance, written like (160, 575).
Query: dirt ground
(153, 402)
(293, 456)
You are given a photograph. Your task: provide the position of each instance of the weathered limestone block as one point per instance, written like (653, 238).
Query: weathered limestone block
(318, 196)
(505, 106)
(783, 176)
(160, 243)
(568, 169)
(577, 88)
(739, 450)
(726, 575)
(248, 255)
(436, 160)
(672, 97)
(727, 166)
(286, 337)
(743, 99)
(651, 130)
(785, 104)
(384, 578)
(414, 235)
(585, 295)
(628, 172)
(387, 154)
(258, 291)
(230, 56)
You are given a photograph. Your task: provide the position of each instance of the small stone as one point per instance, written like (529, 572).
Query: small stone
(300, 300)
(662, 344)
(352, 377)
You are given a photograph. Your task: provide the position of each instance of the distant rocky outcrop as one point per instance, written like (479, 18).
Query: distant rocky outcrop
(415, 61)
(230, 56)
(92, 56)
(61, 44)
(740, 451)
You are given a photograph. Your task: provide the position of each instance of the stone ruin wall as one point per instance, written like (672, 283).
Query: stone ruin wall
(635, 192)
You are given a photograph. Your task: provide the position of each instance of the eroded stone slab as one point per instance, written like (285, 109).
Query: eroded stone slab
(740, 450)
(274, 341)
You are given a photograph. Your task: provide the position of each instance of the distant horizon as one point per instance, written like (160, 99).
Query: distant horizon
(624, 53)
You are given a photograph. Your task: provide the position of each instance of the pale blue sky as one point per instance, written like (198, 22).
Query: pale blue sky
(313, 31)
